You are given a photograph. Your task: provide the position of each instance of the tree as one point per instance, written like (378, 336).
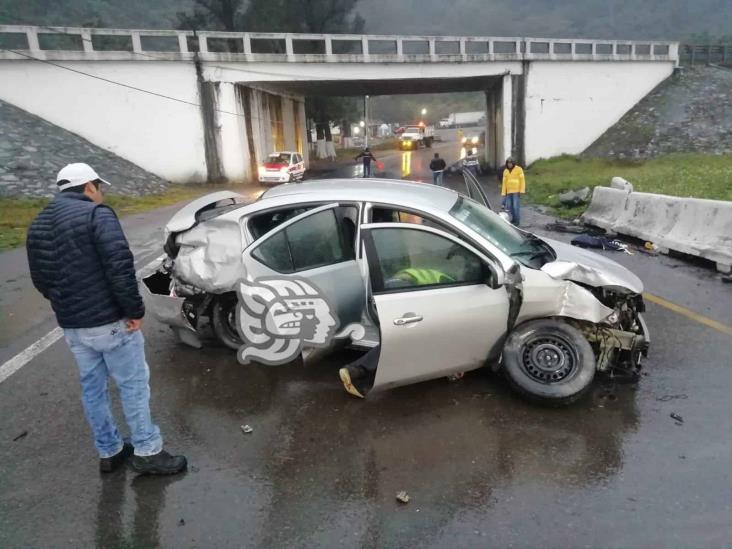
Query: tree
(304, 16)
(225, 15)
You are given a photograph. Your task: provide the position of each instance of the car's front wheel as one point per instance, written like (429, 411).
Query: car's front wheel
(223, 319)
(549, 361)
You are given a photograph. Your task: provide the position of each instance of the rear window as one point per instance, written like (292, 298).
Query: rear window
(279, 158)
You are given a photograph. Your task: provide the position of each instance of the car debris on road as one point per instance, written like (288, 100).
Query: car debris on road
(246, 429)
(402, 497)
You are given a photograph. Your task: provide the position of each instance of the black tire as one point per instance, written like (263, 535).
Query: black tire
(549, 361)
(223, 319)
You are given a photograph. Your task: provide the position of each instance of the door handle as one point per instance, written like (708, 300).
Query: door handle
(407, 319)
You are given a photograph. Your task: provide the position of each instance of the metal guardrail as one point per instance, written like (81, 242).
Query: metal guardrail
(695, 54)
(115, 44)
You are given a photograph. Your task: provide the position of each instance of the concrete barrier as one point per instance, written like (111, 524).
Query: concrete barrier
(702, 228)
(605, 207)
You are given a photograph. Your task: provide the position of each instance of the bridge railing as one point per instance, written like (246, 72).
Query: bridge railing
(71, 43)
(705, 54)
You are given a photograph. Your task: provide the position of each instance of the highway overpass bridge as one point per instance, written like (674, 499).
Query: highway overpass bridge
(209, 105)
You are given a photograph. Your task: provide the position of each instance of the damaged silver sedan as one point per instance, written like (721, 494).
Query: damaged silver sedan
(434, 279)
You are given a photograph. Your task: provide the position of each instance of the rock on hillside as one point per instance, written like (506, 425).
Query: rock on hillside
(32, 151)
(689, 112)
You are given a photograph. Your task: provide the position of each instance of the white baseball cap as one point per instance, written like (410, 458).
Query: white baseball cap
(77, 174)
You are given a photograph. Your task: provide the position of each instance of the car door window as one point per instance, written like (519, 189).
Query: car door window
(275, 254)
(315, 241)
(262, 223)
(411, 259)
(393, 215)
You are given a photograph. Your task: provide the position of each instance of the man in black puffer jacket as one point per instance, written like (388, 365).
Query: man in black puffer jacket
(79, 260)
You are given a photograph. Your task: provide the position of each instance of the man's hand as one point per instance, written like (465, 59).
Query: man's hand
(133, 324)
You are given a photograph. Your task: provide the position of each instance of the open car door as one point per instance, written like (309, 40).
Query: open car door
(440, 302)
(475, 191)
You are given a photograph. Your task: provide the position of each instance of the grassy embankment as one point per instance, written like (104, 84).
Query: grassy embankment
(694, 175)
(17, 213)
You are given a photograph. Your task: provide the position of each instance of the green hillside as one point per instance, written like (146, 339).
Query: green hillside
(626, 19)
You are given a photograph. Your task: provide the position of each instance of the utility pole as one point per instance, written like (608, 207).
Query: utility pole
(366, 120)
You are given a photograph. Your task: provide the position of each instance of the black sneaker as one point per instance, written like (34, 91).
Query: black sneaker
(161, 463)
(107, 465)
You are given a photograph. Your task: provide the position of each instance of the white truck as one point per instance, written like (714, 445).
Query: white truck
(466, 119)
(414, 136)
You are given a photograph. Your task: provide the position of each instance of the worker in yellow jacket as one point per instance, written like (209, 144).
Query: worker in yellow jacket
(514, 185)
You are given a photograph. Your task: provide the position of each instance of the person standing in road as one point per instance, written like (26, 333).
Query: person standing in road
(79, 260)
(438, 167)
(367, 157)
(513, 186)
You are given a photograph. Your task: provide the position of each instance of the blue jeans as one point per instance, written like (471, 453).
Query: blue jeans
(512, 203)
(367, 169)
(437, 178)
(112, 351)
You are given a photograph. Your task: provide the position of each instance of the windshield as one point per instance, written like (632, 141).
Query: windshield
(280, 158)
(412, 129)
(523, 247)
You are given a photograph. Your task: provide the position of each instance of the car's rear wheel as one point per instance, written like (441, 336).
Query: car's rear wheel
(549, 361)
(223, 319)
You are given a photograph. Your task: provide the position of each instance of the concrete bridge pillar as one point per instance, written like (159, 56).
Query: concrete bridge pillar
(506, 122)
(232, 134)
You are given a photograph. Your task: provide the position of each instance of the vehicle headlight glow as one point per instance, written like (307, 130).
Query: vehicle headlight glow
(261, 170)
(284, 169)
(475, 140)
(465, 140)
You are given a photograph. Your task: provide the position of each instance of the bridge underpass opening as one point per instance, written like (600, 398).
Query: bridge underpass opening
(503, 123)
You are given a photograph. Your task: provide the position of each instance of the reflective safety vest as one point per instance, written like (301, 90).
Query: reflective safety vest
(424, 277)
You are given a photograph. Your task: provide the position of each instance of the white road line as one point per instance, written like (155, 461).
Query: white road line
(35, 349)
(29, 353)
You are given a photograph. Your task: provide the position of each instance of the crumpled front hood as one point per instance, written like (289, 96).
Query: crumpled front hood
(590, 268)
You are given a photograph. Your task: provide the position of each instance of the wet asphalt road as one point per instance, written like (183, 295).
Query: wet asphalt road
(321, 469)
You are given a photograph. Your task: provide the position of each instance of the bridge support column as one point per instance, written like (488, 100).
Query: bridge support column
(232, 133)
(505, 137)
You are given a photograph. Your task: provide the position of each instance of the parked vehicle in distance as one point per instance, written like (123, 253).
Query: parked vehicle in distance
(444, 123)
(466, 119)
(437, 279)
(282, 167)
(416, 136)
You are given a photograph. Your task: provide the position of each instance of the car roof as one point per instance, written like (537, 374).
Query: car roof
(282, 152)
(423, 196)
